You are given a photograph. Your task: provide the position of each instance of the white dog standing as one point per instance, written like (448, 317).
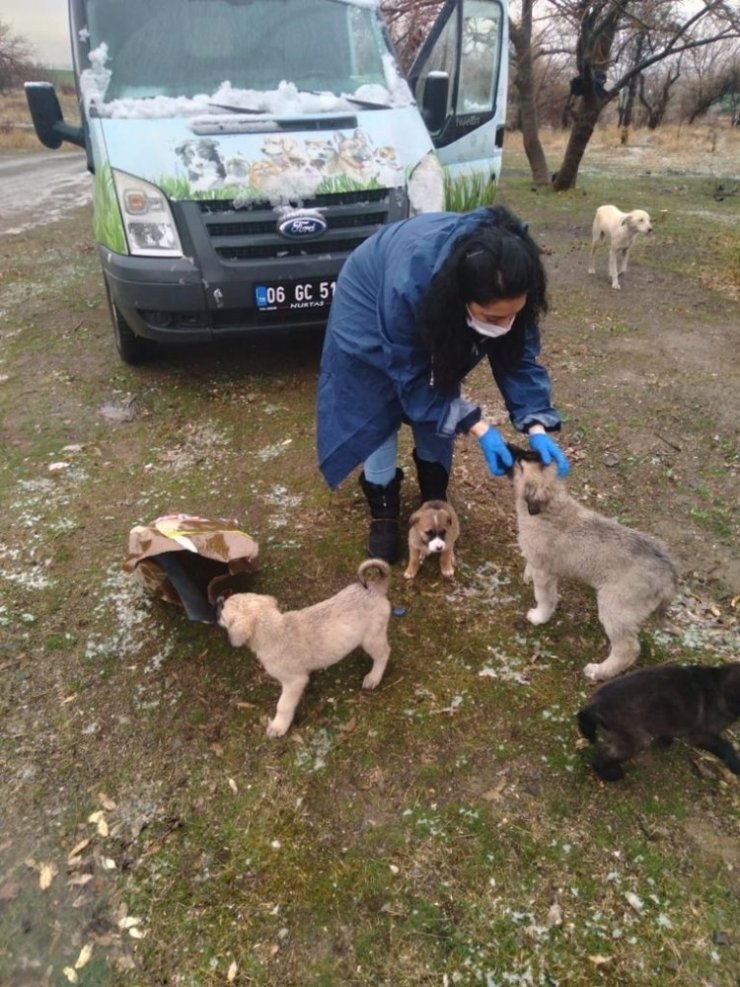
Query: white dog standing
(621, 228)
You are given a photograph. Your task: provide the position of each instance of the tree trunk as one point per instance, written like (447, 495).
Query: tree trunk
(580, 135)
(521, 37)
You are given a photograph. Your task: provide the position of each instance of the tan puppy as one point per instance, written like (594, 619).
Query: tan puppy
(291, 645)
(632, 572)
(433, 529)
(621, 228)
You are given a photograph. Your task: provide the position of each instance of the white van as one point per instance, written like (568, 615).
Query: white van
(242, 148)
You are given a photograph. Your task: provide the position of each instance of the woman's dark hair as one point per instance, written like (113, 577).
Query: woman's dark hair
(498, 259)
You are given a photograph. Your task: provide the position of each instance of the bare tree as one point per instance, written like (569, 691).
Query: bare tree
(654, 92)
(603, 24)
(15, 58)
(713, 76)
(523, 78)
(408, 24)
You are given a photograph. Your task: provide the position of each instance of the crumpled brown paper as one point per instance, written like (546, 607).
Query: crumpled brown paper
(188, 560)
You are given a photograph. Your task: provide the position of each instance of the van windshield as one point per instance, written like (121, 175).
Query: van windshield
(182, 48)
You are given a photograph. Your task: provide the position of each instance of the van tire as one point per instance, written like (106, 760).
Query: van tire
(133, 350)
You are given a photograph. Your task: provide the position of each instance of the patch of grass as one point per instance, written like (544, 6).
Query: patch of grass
(448, 824)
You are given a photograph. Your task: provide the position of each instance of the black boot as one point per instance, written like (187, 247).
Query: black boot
(385, 508)
(433, 479)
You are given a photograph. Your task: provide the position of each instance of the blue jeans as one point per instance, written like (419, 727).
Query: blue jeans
(380, 466)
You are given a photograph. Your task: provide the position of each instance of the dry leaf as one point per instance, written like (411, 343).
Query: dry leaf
(84, 957)
(634, 901)
(70, 974)
(98, 818)
(217, 750)
(80, 879)
(231, 975)
(600, 960)
(77, 849)
(136, 933)
(108, 863)
(494, 794)
(128, 922)
(554, 915)
(232, 785)
(106, 802)
(47, 873)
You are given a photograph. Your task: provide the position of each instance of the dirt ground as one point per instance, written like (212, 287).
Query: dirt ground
(447, 829)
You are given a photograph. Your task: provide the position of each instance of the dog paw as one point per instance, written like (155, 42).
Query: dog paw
(448, 573)
(594, 672)
(275, 729)
(409, 574)
(536, 616)
(617, 287)
(371, 680)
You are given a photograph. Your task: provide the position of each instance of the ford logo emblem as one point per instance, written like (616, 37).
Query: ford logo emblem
(305, 225)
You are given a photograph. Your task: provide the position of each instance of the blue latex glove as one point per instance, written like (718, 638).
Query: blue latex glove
(497, 455)
(548, 450)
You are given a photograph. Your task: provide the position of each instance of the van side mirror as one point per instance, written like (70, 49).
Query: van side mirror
(434, 103)
(46, 114)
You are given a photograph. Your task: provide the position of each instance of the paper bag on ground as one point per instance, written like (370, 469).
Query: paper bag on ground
(189, 560)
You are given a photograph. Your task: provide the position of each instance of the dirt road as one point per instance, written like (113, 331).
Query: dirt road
(37, 189)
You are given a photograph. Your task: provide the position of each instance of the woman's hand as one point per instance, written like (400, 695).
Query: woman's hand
(494, 448)
(548, 451)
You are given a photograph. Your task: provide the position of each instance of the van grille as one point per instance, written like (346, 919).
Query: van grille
(251, 233)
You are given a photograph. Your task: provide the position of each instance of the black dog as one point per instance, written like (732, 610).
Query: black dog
(693, 702)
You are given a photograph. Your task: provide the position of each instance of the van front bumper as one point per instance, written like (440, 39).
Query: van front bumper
(168, 301)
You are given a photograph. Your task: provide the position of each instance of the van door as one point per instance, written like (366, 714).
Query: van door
(469, 42)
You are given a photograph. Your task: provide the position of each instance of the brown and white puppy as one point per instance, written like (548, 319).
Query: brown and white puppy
(621, 228)
(693, 702)
(291, 645)
(433, 530)
(632, 572)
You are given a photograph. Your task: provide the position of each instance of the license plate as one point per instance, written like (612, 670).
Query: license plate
(294, 296)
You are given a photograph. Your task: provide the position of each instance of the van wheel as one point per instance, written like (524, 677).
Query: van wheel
(132, 349)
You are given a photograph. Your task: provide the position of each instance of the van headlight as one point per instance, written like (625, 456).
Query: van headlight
(427, 186)
(147, 218)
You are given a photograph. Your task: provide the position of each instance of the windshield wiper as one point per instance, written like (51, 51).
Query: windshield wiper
(352, 99)
(236, 109)
(365, 102)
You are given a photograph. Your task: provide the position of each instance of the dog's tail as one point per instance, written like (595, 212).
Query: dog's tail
(588, 722)
(379, 585)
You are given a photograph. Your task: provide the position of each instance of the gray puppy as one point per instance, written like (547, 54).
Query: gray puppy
(291, 645)
(688, 701)
(632, 573)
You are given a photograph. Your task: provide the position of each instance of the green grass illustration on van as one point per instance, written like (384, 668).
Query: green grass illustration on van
(179, 189)
(107, 222)
(466, 192)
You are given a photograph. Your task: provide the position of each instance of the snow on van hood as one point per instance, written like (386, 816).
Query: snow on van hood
(286, 100)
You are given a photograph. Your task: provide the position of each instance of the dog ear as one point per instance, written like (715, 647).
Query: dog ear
(414, 518)
(238, 621)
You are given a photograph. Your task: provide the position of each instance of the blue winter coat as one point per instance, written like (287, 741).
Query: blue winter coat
(375, 370)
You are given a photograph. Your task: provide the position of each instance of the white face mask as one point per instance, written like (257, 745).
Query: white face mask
(486, 329)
